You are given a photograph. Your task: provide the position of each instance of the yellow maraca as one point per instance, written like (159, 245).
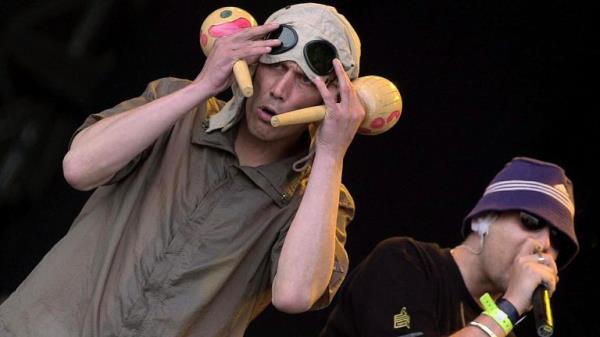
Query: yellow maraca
(223, 22)
(379, 96)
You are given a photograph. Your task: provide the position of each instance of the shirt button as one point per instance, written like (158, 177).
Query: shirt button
(205, 124)
(284, 197)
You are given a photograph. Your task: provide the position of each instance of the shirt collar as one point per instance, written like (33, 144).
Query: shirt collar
(277, 179)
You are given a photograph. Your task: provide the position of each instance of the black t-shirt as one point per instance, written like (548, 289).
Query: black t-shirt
(403, 288)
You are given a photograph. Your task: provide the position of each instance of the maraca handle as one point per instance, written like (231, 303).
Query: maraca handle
(379, 97)
(302, 116)
(243, 78)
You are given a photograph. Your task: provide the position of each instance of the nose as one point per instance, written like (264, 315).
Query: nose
(544, 237)
(282, 85)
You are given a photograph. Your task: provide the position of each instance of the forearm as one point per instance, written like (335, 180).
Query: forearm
(474, 331)
(306, 261)
(100, 150)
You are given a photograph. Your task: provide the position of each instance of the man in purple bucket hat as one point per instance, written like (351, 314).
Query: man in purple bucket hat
(517, 237)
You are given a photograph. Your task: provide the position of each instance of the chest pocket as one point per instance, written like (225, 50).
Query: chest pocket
(223, 226)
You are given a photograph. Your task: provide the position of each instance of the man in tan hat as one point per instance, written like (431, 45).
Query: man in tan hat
(517, 237)
(204, 213)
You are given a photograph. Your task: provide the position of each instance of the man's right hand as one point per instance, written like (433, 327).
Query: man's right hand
(247, 44)
(532, 267)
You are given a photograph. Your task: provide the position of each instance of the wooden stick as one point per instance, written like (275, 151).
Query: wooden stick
(301, 116)
(243, 78)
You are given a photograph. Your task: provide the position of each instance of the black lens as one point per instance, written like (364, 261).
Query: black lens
(531, 222)
(288, 37)
(556, 239)
(319, 55)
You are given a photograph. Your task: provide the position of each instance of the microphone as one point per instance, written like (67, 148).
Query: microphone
(542, 312)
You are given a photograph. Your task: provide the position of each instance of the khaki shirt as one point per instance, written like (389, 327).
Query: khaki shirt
(182, 242)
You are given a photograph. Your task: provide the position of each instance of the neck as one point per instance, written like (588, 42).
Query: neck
(472, 268)
(252, 151)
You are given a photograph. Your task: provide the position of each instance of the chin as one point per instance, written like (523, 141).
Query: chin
(263, 131)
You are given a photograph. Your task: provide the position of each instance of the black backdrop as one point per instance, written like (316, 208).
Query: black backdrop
(482, 82)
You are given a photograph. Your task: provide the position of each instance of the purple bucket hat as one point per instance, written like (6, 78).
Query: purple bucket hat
(537, 187)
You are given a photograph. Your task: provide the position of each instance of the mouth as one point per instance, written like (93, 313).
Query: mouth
(265, 113)
(268, 110)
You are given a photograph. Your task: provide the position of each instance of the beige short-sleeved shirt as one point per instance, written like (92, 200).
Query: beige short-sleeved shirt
(183, 242)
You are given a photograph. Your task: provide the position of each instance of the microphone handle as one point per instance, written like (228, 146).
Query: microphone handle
(542, 312)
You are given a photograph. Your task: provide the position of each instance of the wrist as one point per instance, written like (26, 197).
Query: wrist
(521, 306)
(201, 90)
(488, 323)
(483, 327)
(509, 309)
(491, 310)
(330, 148)
(329, 156)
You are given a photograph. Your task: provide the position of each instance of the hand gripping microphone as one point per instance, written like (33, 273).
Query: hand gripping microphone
(542, 312)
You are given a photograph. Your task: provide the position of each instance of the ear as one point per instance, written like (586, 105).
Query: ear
(481, 225)
(478, 228)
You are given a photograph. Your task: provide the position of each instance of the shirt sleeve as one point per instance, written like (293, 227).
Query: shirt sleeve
(340, 267)
(340, 264)
(154, 90)
(388, 294)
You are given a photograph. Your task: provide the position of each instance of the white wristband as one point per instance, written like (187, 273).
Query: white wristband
(483, 328)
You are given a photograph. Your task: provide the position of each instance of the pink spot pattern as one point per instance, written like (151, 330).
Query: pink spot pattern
(377, 123)
(229, 28)
(393, 115)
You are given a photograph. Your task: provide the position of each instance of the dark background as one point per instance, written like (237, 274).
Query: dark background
(482, 82)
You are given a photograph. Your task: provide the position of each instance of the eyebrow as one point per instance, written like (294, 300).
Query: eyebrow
(294, 66)
(298, 70)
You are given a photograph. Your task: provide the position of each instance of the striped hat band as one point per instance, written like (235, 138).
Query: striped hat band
(559, 193)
